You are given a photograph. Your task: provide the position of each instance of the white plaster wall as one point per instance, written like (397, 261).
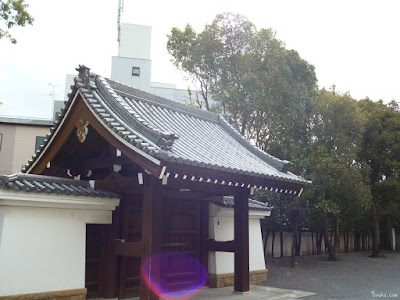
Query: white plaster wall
(135, 41)
(221, 228)
(121, 71)
(41, 249)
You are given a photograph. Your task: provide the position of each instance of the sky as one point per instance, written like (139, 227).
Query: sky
(354, 45)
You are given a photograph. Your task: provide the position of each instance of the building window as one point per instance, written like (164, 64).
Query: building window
(39, 141)
(1, 138)
(135, 71)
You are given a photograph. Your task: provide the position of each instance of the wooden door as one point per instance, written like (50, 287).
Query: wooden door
(131, 229)
(181, 234)
(182, 224)
(94, 260)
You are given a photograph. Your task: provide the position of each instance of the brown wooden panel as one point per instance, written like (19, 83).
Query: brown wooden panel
(132, 249)
(182, 221)
(94, 260)
(129, 277)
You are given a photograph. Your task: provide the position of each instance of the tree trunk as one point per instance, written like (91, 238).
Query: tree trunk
(312, 242)
(363, 242)
(332, 255)
(356, 241)
(376, 243)
(388, 234)
(298, 244)
(273, 242)
(337, 235)
(294, 242)
(319, 241)
(281, 242)
(265, 244)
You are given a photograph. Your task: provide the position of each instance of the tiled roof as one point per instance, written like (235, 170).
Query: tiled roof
(26, 121)
(228, 201)
(173, 132)
(49, 184)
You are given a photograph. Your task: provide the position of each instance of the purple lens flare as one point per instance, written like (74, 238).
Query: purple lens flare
(174, 275)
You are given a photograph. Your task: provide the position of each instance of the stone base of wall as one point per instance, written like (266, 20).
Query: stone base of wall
(76, 294)
(227, 279)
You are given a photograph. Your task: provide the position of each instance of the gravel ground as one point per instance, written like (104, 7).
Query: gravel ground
(355, 276)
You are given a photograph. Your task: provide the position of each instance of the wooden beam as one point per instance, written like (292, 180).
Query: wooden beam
(195, 186)
(189, 195)
(93, 163)
(213, 245)
(241, 233)
(121, 185)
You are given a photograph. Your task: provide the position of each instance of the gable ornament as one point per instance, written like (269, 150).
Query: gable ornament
(82, 130)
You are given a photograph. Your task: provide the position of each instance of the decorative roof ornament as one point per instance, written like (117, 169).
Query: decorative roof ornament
(166, 140)
(82, 130)
(228, 118)
(88, 78)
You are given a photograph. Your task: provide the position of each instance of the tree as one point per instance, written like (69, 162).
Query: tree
(380, 150)
(251, 75)
(339, 190)
(13, 12)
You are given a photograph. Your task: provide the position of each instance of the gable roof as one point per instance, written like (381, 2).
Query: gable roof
(228, 201)
(165, 130)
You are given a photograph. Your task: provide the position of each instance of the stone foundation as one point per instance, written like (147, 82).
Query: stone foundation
(227, 279)
(76, 294)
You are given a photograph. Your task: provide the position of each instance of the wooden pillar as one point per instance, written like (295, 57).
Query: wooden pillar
(204, 212)
(151, 229)
(241, 233)
(110, 270)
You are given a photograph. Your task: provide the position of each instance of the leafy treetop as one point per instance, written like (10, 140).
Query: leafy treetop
(13, 12)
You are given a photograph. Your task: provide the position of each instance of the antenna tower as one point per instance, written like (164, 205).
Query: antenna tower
(120, 10)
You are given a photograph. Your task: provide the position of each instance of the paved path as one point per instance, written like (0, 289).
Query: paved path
(257, 292)
(356, 276)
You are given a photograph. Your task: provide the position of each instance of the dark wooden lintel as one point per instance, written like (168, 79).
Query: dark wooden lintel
(189, 195)
(196, 186)
(213, 245)
(93, 163)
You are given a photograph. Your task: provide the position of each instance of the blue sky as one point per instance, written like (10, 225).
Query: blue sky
(352, 44)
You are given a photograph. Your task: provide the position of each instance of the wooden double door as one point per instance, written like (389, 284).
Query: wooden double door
(180, 223)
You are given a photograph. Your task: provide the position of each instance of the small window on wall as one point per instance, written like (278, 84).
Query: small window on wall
(1, 139)
(135, 71)
(39, 141)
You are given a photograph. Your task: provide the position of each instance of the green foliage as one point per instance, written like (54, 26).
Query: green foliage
(13, 12)
(380, 150)
(251, 75)
(335, 136)
(349, 149)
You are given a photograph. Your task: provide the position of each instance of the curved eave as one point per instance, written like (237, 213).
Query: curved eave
(284, 177)
(180, 173)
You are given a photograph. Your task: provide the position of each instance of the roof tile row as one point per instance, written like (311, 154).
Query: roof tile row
(49, 184)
